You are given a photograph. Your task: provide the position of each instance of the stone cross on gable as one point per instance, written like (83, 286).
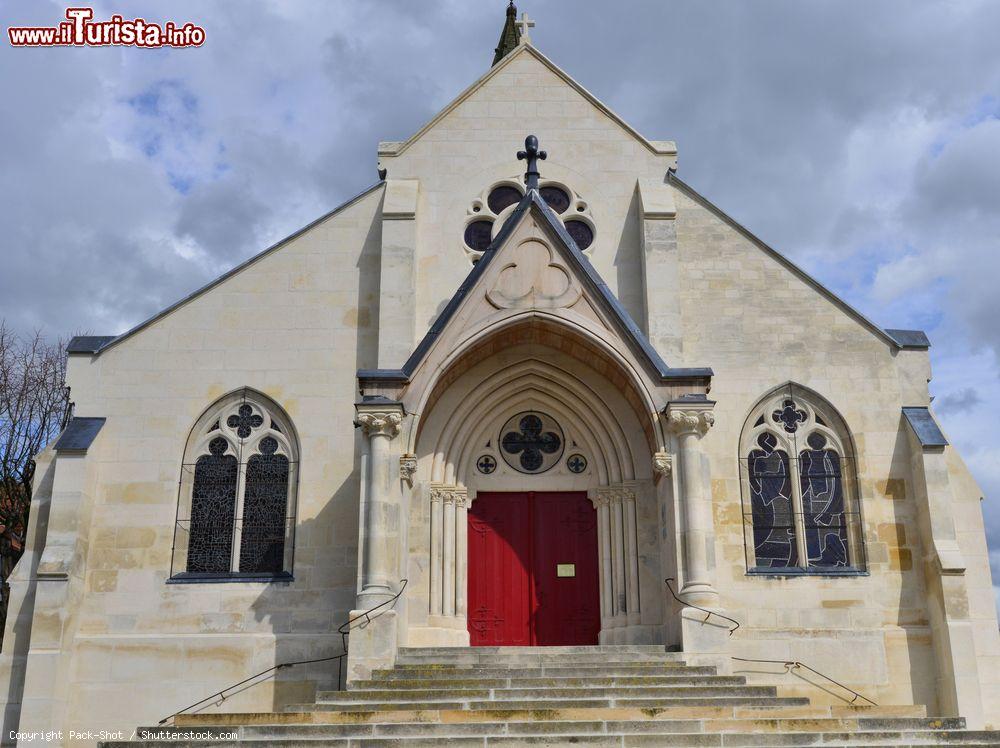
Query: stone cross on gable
(531, 154)
(525, 23)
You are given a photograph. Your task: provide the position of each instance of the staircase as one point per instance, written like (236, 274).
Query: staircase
(561, 696)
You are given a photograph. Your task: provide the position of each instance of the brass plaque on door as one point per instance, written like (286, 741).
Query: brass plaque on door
(565, 570)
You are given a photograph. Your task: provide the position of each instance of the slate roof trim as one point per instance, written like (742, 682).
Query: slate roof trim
(925, 427)
(79, 434)
(88, 343)
(629, 330)
(916, 340)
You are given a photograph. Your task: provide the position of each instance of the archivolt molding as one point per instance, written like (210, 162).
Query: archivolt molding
(554, 333)
(603, 439)
(526, 385)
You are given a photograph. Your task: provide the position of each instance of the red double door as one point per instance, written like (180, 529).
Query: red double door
(533, 570)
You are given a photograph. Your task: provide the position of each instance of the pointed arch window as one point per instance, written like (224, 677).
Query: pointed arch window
(236, 512)
(800, 496)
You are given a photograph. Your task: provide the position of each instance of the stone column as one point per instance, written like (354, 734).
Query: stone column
(461, 552)
(690, 421)
(448, 607)
(381, 521)
(602, 502)
(437, 534)
(618, 557)
(631, 555)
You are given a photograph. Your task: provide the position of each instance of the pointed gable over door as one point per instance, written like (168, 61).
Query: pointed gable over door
(533, 270)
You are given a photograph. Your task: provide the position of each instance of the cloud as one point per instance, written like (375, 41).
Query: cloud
(962, 401)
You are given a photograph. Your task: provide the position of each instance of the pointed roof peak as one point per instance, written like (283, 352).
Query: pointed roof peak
(510, 37)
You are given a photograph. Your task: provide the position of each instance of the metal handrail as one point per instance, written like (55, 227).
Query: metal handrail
(710, 613)
(344, 630)
(792, 665)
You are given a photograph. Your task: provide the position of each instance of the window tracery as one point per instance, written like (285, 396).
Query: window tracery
(236, 510)
(801, 506)
(488, 211)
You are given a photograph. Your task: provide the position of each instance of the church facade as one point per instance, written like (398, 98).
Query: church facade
(504, 396)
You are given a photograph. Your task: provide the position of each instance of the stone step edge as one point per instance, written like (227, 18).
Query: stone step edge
(578, 713)
(909, 737)
(618, 668)
(509, 740)
(706, 726)
(497, 693)
(650, 681)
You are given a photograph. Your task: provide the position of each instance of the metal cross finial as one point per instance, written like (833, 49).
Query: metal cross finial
(531, 154)
(525, 23)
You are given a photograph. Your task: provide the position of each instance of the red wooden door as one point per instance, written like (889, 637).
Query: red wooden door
(566, 581)
(500, 603)
(533, 570)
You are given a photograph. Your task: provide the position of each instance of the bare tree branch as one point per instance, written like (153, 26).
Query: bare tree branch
(33, 403)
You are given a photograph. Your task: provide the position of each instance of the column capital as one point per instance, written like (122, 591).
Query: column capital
(663, 463)
(602, 497)
(690, 416)
(450, 495)
(381, 419)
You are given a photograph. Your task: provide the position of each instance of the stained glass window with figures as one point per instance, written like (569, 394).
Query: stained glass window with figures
(801, 505)
(235, 516)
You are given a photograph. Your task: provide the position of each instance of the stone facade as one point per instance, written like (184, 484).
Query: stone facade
(100, 636)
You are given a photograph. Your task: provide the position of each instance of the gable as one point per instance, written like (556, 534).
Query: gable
(895, 338)
(511, 78)
(534, 268)
(94, 345)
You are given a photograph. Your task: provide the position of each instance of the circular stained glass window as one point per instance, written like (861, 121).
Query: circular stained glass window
(478, 235)
(531, 442)
(582, 234)
(503, 197)
(556, 198)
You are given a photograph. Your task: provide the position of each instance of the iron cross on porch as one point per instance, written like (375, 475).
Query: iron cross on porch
(531, 154)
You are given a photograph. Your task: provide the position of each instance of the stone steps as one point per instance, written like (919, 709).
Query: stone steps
(553, 671)
(547, 692)
(566, 696)
(946, 728)
(607, 740)
(563, 682)
(536, 704)
(623, 658)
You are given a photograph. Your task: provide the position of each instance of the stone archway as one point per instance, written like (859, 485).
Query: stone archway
(535, 368)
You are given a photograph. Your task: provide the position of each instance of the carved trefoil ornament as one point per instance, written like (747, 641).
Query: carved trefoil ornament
(533, 277)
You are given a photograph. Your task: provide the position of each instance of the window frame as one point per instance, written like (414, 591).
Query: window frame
(821, 417)
(276, 424)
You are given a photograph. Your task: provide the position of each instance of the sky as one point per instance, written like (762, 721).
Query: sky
(861, 139)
